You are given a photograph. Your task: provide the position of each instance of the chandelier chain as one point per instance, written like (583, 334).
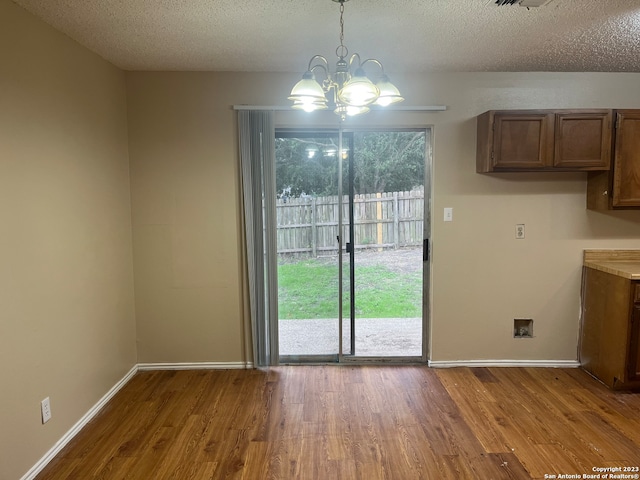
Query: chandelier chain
(341, 23)
(342, 51)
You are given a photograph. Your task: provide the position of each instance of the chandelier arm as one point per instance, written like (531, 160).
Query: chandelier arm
(320, 66)
(373, 60)
(318, 57)
(327, 83)
(354, 57)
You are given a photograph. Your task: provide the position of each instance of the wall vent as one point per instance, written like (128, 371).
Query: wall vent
(533, 3)
(521, 3)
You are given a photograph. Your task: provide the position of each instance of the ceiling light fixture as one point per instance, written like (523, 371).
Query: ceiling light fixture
(349, 89)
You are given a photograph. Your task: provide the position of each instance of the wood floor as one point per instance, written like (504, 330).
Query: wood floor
(351, 422)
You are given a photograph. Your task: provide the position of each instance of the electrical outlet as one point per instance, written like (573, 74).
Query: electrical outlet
(520, 231)
(45, 407)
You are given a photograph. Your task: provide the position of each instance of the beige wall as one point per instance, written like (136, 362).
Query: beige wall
(185, 218)
(67, 326)
(187, 251)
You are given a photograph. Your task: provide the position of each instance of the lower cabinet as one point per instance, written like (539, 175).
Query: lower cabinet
(610, 329)
(634, 347)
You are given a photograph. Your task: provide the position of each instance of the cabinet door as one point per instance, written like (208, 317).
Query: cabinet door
(626, 167)
(633, 362)
(606, 299)
(522, 140)
(583, 139)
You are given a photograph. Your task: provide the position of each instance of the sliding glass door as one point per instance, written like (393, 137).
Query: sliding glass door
(308, 175)
(351, 229)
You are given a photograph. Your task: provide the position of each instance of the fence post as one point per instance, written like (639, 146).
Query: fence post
(314, 229)
(396, 222)
(379, 238)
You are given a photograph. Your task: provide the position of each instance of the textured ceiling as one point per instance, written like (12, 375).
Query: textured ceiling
(406, 35)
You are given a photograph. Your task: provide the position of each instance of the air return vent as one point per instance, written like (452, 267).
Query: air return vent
(533, 3)
(522, 3)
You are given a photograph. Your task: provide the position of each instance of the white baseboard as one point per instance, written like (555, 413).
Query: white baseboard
(80, 424)
(504, 363)
(195, 366)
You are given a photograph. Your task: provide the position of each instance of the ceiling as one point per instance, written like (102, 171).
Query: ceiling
(406, 35)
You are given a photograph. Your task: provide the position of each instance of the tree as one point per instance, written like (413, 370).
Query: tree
(306, 165)
(383, 162)
(388, 161)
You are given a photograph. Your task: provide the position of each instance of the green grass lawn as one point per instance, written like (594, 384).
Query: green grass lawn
(309, 289)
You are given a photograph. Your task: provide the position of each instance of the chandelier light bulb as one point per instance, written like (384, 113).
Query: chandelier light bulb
(388, 92)
(359, 91)
(309, 105)
(308, 90)
(350, 110)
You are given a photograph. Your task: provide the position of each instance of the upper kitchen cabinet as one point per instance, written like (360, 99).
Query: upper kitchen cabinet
(619, 188)
(543, 140)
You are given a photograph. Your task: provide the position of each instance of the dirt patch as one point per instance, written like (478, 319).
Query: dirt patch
(403, 260)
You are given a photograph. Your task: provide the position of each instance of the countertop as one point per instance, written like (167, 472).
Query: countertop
(624, 263)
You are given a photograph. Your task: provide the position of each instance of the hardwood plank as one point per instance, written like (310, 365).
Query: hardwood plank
(480, 421)
(117, 467)
(355, 422)
(528, 415)
(484, 375)
(259, 454)
(553, 459)
(509, 465)
(465, 379)
(562, 406)
(60, 467)
(338, 428)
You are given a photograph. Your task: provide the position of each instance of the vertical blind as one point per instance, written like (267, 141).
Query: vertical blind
(256, 134)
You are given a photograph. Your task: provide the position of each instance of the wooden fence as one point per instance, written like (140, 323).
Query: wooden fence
(309, 226)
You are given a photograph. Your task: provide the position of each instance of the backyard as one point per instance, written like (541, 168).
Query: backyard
(388, 304)
(388, 284)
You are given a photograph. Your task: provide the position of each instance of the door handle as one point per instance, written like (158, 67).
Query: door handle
(425, 250)
(349, 247)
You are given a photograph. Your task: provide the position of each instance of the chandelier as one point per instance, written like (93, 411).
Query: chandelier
(348, 89)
